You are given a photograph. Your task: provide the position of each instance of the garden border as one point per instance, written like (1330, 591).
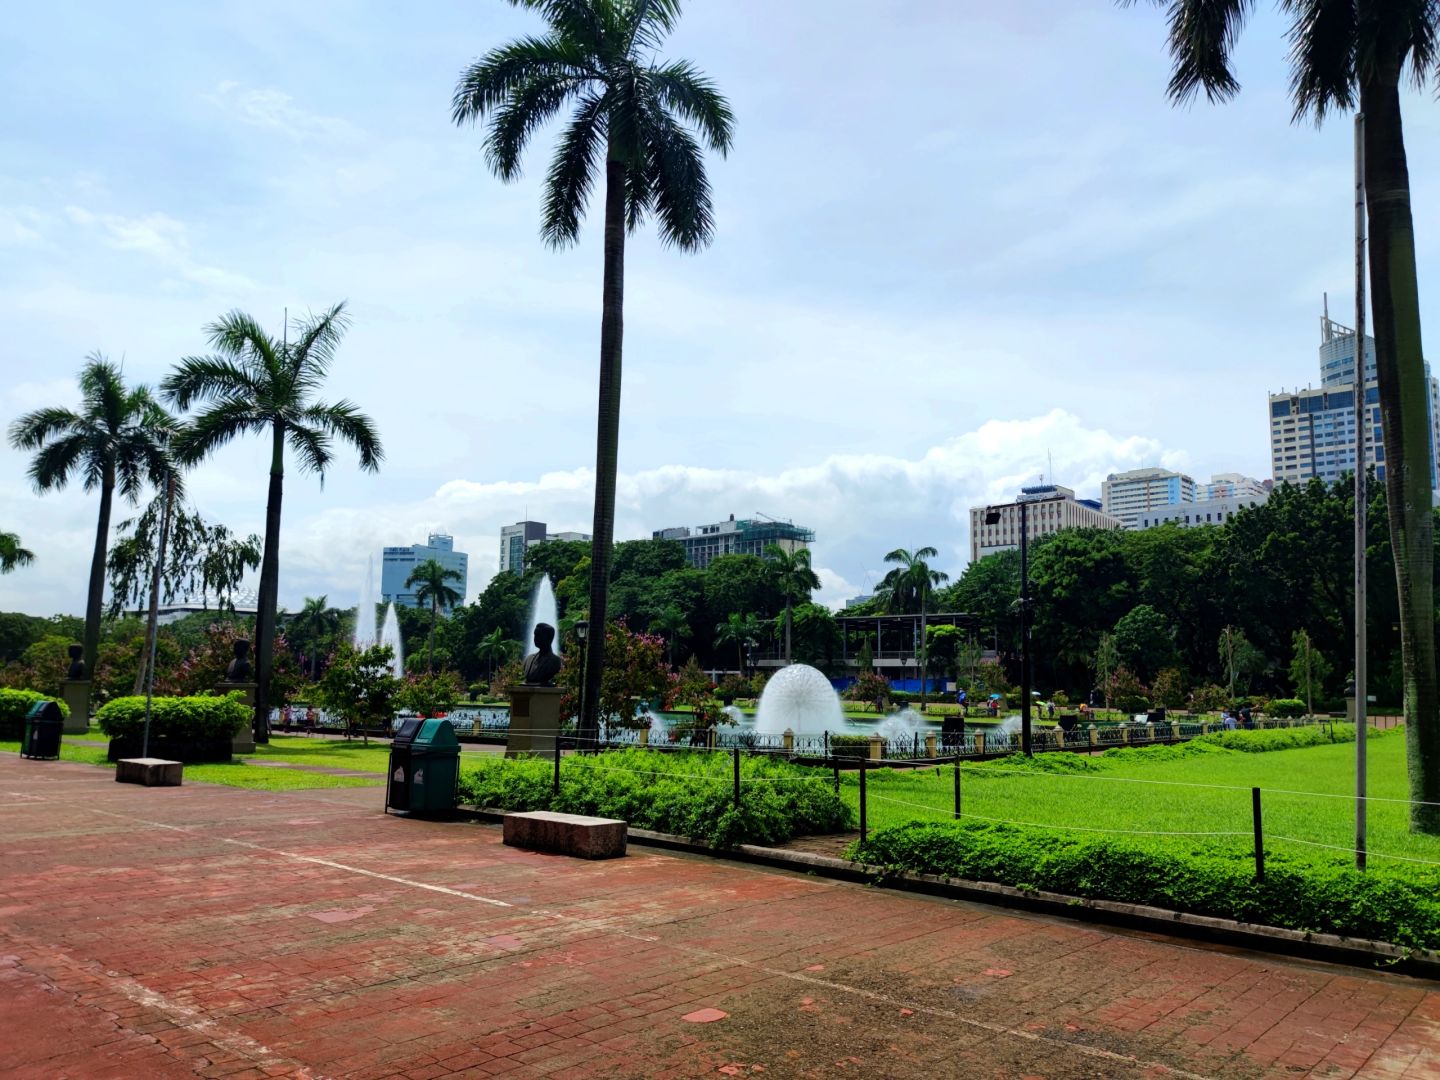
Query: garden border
(1305, 945)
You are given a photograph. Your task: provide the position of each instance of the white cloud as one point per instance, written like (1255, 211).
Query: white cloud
(274, 110)
(162, 238)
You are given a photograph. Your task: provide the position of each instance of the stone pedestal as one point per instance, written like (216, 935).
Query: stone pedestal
(534, 720)
(566, 834)
(76, 695)
(152, 772)
(244, 742)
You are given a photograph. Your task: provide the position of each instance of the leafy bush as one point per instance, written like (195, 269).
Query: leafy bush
(689, 794)
(1210, 698)
(1127, 693)
(1248, 742)
(198, 717)
(1285, 707)
(14, 704)
(850, 746)
(871, 687)
(1311, 893)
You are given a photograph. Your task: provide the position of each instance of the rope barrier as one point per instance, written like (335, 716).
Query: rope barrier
(1350, 850)
(1065, 828)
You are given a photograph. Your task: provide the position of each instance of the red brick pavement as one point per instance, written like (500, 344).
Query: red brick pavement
(216, 932)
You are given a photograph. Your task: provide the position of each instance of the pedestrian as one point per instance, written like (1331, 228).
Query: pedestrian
(1050, 710)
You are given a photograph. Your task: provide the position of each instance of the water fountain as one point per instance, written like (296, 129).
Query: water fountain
(659, 734)
(900, 725)
(542, 609)
(365, 635)
(999, 737)
(390, 635)
(734, 715)
(799, 698)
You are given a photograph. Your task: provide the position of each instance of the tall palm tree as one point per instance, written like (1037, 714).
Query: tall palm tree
(12, 555)
(254, 384)
(1343, 54)
(912, 580)
(430, 580)
(671, 625)
(637, 119)
(793, 578)
(738, 630)
(495, 648)
(113, 443)
(314, 626)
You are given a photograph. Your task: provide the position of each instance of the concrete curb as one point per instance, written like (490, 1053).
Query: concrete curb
(1356, 952)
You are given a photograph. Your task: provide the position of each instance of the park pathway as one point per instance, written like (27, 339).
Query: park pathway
(219, 932)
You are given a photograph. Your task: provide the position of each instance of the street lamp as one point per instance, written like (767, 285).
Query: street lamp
(582, 631)
(992, 517)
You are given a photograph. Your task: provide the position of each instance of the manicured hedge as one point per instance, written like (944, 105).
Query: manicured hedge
(1300, 892)
(200, 717)
(14, 704)
(689, 794)
(1283, 708)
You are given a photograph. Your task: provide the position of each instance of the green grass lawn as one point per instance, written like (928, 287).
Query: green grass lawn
(241, 774)
(1143, 791)
(333, 753)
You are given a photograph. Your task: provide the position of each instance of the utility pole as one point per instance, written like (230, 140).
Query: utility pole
(1360, 496)
(1024, 627)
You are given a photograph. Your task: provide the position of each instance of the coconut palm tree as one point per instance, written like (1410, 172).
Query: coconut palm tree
(12, 554)
(430, 580)
(909, 586)
(637, 122)
(793, 578)
(254, 384)
(495, 648)
(1344, 54)
(671, 625)
(738, 630)
(115, 442)
(313, 627)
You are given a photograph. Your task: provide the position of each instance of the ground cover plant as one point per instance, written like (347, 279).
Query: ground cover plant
(690, 794)
(197, 717)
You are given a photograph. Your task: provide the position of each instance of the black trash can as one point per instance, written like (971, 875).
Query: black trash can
(424, 768)
(43, 726)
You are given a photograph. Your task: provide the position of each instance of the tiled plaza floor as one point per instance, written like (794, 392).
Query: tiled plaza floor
(209, 931)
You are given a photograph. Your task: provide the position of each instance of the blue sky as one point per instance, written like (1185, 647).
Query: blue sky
(957, 241)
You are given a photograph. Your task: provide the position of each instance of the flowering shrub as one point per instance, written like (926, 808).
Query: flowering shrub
(635, 669)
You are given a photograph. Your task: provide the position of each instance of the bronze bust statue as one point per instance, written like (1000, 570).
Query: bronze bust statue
(77, 665)
(239, 669)
(542, 666)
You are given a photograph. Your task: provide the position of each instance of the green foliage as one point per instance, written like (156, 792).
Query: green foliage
(359, 686)
(1127, 693)
(689, 794)
(1302, 892)
(1209, 698)
(15, 704)
(1142, 641)
(872, 687)
(194, 717)
(427, 693)
(1169, 688)
(850, 746)
(635, 670)
(1285, 707)
(18, 631)
(1308, 668)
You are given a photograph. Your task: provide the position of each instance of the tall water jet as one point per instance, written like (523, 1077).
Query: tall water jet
(365, 614)
(799, 698)
(390, 635)
(733, 715)
(542, 609)
(899, 725)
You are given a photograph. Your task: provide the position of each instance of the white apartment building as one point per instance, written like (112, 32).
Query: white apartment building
(1230, 485)
(1048, 509)
(1204, 512)
(1129, 495)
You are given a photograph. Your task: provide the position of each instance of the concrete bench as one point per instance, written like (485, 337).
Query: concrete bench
(150, 771)
(566, 834)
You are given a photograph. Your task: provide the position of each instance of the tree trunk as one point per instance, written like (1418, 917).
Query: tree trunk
(152, 621)
(924, 650)
(269, 588)
(96, 597)
(787, 632)
(430, 646)
(607, 443)
(1405, 419)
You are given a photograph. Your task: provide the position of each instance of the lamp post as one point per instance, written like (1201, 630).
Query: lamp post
(582, 631)
(992, 517)
(750, 657)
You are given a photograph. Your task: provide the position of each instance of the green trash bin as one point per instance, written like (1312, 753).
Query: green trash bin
(43, 725)
(424, 769)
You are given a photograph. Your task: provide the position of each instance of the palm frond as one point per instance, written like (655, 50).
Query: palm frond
(56, 460)
(489, 82)
(239, 335)
(649, 23)
(317, 338)
(102, 386)
(204, 378)
(681, 189)
(529, 106)
(216, 426)
(682, 89)
(1202, 38)
(34, 428)
(311, 446)
(345, 420)
(573, 20)
(1323, 55)
(572, 173)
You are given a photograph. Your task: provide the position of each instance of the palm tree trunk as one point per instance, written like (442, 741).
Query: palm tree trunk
(430, 646)
(787, 631)
(269, 588)
(152, 621)
(607, 441)
(96, 597)
(924, 649)
(1404, 410)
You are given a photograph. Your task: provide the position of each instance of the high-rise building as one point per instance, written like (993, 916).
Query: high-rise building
(1312, 431)
(519, 538)
(1214, 511)
(397, 563)
(1232, 485)
(1049, 509)
(1128, 495)
(744, 537)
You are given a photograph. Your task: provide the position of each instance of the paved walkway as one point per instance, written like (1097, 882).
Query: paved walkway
(210, 931)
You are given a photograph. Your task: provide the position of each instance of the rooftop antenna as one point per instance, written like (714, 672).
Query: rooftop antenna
(1050, 465)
